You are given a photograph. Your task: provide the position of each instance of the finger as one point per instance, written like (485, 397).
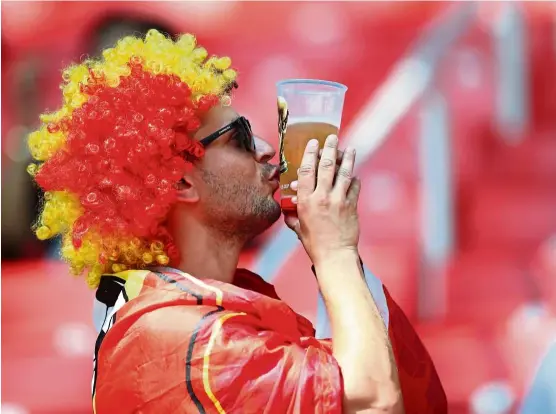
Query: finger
(345, 173)
(306, 173)
(327, 164)
(354, 191)
(339, 156)
(293, 185)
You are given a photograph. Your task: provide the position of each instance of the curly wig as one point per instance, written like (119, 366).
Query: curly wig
(109, 159)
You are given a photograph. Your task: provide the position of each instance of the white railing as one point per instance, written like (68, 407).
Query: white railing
(511, 72)
(437, 233)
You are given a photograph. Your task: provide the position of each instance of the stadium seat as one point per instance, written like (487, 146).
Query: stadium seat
(48, 339)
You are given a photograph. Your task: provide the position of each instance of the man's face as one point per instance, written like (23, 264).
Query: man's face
(235, 186)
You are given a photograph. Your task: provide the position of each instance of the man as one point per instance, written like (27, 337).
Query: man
(155, 184)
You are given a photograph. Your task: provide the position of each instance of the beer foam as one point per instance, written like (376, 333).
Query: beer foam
(323, 119)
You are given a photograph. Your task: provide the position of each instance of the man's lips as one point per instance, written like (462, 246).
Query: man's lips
(275, 174)
(274, 178)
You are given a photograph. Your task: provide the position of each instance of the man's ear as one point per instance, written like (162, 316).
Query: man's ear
(187, 190)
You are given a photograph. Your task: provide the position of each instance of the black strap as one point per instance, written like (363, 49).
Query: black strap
(109, 289)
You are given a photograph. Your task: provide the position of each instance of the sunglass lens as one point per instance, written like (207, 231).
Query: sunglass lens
(247, 135)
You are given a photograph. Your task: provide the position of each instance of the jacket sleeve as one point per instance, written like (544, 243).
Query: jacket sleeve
(184, 359)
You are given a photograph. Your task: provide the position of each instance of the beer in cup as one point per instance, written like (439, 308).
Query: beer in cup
(307, 109)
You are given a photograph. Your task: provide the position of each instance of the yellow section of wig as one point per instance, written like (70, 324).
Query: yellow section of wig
(160, 55)
(43, 144)
(60, 211)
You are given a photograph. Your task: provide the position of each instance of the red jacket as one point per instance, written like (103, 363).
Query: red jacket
(183, 345)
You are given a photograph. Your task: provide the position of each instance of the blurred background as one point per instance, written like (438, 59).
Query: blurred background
(452, 107)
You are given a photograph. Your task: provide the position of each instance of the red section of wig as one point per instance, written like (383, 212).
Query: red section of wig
(126, 148)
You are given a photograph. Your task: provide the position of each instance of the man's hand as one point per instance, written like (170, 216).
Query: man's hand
(327, 196)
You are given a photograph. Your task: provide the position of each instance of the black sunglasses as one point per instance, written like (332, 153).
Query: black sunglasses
(242, 134)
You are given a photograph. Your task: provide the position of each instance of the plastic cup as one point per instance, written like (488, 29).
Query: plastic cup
(307, 109)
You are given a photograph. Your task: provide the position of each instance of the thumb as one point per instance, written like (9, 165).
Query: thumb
(292, 221)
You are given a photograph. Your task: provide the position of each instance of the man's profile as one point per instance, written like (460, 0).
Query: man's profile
(154, 184)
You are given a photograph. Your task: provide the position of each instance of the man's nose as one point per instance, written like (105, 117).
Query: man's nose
(264, 152)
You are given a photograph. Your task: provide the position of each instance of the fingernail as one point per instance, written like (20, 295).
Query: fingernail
(332, 138)
(294, 200)
(314, 143)
(293, 185)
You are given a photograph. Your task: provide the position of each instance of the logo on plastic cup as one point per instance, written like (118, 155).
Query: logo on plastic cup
(282, 126)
